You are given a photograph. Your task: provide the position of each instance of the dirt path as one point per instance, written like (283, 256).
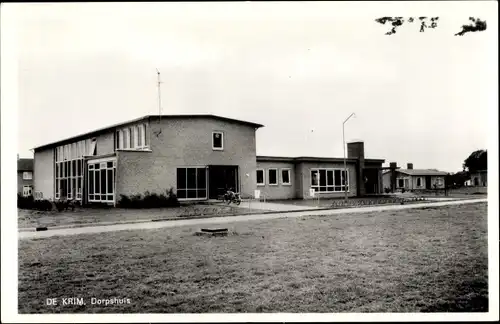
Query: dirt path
(220, 220)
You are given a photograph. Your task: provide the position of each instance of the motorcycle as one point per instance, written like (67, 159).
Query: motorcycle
(232, 197)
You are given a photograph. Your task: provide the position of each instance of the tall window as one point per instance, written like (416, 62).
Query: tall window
(192, 183)
(69, 168)
(419, 182)
(101, 181)
(27, 175)
(260, 177)
(218, 141)
(329, 180)
(132, 137)
(285, 177)
(273, 177)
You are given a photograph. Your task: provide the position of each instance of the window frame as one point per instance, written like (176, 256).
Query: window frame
(263, 183)
(421, 182)
(97, 183)
(269, 176)
(26, 174)
(289, 183)
(186, 187)
(30, 189)
(222, 141)
(344, 182)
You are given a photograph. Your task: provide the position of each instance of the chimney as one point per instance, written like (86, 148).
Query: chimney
(409, 166)
(356, 150)
(393, 166)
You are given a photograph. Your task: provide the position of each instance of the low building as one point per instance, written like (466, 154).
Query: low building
(479, 178)
(24, 176)
(198, 156)
(413, 179)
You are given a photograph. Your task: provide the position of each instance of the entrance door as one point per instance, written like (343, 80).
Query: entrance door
(221, 178)
(428, 182)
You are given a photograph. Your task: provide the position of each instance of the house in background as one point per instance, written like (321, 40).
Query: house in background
(24, 176)
(413, 179)
(479, 178)
(199, 156)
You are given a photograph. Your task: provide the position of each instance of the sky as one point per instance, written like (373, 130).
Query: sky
(298, 68)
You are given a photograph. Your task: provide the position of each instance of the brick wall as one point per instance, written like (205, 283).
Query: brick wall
(187, 143)
(43, 173)
(303, 170)
(280, 191)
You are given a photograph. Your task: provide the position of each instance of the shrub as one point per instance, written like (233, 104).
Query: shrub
(387, 190)
(150, 200)
(30, 203)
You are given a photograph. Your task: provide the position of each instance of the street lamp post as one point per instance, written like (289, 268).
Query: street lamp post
(345, 163)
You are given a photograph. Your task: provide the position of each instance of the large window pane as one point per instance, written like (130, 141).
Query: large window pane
(181, 179)
(139, 135)
(181, 193)
(202, 193)
(103, 181)
(329, 178)
(191, 193)
(191, 178)
(73, 187)
(110, 181)
(91, 181)
(73, 168)
(314, 178)
(345, 179)
(201, 178)
(97, 184)
(338, 178)
(322, 178)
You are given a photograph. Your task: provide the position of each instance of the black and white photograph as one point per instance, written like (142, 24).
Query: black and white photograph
(249, 161)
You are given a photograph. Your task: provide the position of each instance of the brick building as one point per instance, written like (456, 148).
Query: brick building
(199, 156)
(24, 176)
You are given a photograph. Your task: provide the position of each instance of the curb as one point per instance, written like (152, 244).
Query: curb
(36, 229)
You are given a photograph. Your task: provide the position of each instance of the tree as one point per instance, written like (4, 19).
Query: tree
(475, 25)
(476, 161)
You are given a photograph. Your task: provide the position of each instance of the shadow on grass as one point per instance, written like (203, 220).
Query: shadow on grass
(473, 298)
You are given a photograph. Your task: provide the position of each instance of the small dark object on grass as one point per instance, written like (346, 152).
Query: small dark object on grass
(41, 229)
(211, 233)
(35, 264)
(214, 230)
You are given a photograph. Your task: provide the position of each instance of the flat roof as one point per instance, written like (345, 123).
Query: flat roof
(107, 128)
(312, 159)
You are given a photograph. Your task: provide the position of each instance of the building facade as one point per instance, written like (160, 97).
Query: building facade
(198, 156)
(24, 177)
(479, 178)
(414, 179)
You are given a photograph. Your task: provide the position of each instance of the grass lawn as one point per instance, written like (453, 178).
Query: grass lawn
(31, 218)
(421, 260)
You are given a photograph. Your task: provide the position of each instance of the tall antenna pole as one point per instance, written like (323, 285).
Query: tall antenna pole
(159, 93)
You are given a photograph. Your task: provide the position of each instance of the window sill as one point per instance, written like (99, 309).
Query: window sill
(273, 184)
(261, 184)
(217, 149)
(134, 150)
(286, 184)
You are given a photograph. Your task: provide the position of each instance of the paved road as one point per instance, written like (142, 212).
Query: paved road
(219, 220)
